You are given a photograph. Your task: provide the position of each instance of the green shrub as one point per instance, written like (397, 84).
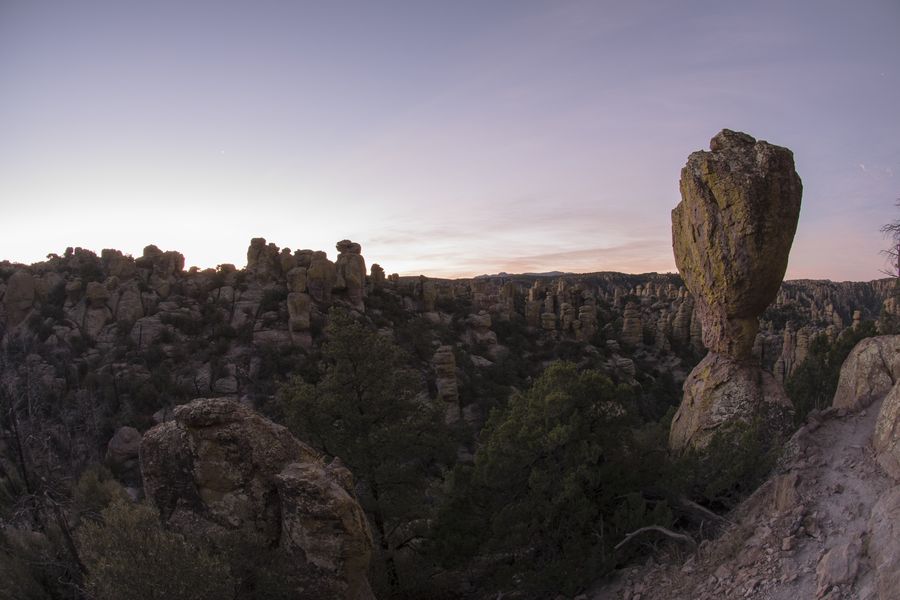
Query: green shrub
(129, 555)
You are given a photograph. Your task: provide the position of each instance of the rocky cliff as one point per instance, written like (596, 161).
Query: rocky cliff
(824, 525)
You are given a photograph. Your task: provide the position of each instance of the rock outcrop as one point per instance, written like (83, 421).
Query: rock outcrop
(444, 364)
(351, 273)
(886, 440)
(219, 469)
(720, 391)
(869, 372)
(19, 297)
(731, 235)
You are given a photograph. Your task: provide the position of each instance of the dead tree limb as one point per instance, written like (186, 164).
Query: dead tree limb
(681, 537)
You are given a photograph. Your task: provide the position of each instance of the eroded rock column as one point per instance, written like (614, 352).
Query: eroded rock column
(731, 235)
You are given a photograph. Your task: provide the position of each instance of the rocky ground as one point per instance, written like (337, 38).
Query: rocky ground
(804, 534)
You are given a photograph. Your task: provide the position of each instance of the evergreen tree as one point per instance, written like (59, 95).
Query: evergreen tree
(367, 410)
(561, 467)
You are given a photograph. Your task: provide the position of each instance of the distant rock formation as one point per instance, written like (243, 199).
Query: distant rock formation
(218, 469)
(351, 273)
(444, 364)
(731, 235)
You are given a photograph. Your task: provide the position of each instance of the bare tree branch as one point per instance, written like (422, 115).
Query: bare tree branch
(681, 537)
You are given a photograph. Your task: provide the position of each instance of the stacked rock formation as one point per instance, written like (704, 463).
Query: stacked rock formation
(219, 469)
(444, 364)
(731, 235)
(632, 329)
(351, 273)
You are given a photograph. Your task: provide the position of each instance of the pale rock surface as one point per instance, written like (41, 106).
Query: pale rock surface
(886, 440)
(870, 371)
(884, 544)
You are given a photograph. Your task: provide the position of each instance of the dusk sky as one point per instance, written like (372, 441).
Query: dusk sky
(448, 138)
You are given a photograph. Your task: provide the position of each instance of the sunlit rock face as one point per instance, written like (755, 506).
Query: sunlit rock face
(219, 470)
(731, 235)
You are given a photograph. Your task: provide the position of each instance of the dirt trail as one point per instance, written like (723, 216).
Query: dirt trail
(801, 536)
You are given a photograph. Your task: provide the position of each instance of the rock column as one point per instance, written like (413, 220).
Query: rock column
(731, 235)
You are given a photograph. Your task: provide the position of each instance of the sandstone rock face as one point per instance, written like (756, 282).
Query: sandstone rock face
(732, 233)
(219, 468)
(721, 390)
(886, 439)
(869, 372)
(19, 297)
(884, 544)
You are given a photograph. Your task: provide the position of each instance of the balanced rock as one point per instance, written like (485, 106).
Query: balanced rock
(350, 273)
(732, 233)
(219, 470)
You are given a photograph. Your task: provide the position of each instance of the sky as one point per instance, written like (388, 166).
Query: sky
(447, 138)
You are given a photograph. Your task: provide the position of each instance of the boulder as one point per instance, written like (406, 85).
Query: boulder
(886, 439)
(868, 373)
(219, 470)
(732, 233)
(123, 448)
(721, 391)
